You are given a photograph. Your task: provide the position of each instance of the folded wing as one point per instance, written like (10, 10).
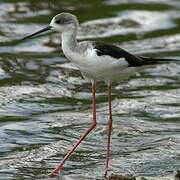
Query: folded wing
(117, 53)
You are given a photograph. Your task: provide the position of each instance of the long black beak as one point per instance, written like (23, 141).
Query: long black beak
(38, 32)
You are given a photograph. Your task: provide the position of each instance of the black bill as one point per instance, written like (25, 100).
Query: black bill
(38, 32)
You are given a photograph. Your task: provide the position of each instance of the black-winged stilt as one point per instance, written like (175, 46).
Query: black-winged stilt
(97, 61)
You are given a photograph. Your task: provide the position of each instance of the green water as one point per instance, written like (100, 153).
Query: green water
(45, 104)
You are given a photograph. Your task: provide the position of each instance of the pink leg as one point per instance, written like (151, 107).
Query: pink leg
(59, 166)
(109, 130)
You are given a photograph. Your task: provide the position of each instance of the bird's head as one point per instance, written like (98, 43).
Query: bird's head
(63, 22)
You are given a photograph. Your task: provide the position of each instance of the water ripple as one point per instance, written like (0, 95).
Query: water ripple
(46, 105)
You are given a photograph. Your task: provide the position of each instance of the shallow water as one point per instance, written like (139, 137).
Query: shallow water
(46, 105)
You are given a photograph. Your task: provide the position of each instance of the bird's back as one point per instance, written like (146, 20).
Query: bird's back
(117, 52)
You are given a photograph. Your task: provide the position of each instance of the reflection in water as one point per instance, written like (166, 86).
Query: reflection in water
(46, 105)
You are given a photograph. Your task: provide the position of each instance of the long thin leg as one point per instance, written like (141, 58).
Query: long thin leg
(109, 129)
(59, 166)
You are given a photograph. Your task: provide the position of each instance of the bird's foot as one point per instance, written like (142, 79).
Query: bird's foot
(105, 174)
(55, 172)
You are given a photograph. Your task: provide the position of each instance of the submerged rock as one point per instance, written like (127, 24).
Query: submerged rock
(120, 177)
(177, 175)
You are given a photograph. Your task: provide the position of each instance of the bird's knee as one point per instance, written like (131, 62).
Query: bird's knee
(93, 125)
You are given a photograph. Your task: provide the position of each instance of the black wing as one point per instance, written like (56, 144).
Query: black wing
(116, 52)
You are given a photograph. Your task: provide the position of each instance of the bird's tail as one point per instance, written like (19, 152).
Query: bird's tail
(158, 59)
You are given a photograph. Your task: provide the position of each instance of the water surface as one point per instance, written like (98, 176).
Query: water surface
(45, 104)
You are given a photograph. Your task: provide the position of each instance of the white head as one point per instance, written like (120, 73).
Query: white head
(63, 22)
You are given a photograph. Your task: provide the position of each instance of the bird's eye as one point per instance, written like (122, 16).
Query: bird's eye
(58, 22)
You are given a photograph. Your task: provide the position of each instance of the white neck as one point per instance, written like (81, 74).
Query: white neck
(69, 43)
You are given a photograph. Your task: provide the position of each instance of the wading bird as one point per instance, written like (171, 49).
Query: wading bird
(97, 61)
